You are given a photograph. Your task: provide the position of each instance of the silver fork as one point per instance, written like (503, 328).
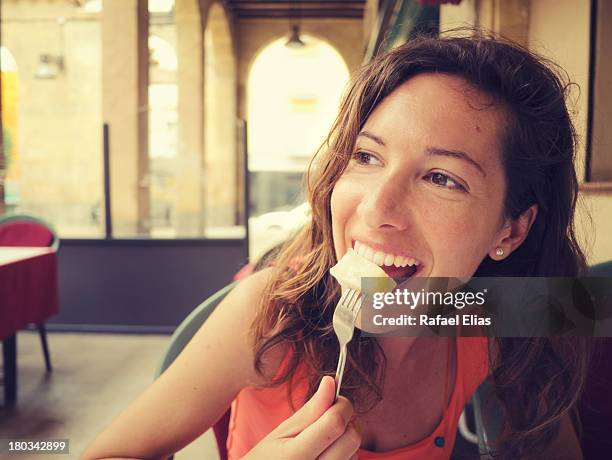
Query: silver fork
(345, 315)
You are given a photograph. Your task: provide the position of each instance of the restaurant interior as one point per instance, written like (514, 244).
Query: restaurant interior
(152, 151)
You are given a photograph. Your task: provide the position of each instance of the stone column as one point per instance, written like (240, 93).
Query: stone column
(190, 138)
(220, 121)
(125, 82)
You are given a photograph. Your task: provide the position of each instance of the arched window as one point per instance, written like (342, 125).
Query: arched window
(163, 98)
(292, 100)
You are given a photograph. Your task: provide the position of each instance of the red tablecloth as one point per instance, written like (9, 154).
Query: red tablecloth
(28, 287)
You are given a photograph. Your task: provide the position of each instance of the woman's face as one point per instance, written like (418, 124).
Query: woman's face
(425, 181)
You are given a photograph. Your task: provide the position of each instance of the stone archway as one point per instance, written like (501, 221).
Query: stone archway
(292, 101)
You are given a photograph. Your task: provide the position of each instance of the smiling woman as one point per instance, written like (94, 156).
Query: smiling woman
(457, 153)
(449, 157)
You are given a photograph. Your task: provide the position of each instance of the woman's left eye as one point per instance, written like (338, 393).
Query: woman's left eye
(442, 180)
(364, 158)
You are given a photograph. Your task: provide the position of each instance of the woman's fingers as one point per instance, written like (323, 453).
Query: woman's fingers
(328, 428)
(344, 447)
(310, 412)
(319, 428)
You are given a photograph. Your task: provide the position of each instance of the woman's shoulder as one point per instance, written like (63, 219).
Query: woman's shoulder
(252, 286)
(246, 299)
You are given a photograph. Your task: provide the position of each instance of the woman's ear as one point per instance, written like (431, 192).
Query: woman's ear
(513, 233)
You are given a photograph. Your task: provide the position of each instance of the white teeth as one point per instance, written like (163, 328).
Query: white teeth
(380, 258)
(398, 261)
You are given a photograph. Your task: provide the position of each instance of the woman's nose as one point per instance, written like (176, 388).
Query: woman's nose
(387, 205)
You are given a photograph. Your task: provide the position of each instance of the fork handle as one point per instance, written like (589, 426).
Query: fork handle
(340, 370)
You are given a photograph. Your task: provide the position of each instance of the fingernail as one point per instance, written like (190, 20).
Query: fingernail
(358, 427)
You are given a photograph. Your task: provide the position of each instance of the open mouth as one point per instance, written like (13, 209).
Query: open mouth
(395, 266)
(400, 272)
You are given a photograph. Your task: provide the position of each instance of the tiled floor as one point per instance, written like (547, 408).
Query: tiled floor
(95, 376)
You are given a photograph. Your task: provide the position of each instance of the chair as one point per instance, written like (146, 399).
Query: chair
(595, 405)
(603, 269)
(182, 335)
(29, 230)
(488, 417)
(26, 230)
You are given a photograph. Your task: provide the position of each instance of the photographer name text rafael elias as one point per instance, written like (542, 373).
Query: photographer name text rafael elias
(426, 320)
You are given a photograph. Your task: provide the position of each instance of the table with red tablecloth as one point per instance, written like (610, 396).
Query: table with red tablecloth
(28, 294)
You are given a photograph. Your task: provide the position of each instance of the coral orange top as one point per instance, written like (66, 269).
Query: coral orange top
(257, 411)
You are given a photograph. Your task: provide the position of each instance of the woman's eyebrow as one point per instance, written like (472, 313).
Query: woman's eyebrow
(373, 137)
(455, 154)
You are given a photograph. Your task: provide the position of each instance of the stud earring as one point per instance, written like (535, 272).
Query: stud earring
(499, 252)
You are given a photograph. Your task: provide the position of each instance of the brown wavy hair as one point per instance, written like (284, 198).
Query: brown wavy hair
(538, 380)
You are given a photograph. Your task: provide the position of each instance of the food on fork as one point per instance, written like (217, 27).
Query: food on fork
(352, 267)
(349, 271)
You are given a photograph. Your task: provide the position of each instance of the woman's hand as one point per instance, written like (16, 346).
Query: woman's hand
(319, 430)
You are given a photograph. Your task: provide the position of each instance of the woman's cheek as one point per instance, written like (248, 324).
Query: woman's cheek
(344, 199)
(341, 206)
(471, 251)
(455, 237)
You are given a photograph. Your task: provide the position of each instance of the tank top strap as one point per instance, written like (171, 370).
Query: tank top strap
(472, 363)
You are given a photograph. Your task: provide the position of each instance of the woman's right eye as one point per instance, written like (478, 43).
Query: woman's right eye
(364, 158)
